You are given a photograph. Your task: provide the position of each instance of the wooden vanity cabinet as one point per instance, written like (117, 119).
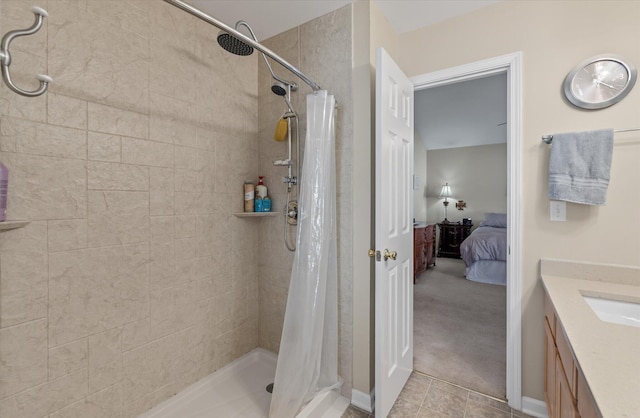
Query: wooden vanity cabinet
(565, 389)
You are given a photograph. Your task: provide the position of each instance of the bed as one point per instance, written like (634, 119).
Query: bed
(485, 251)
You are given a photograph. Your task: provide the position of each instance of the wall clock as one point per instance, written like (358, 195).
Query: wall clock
(600, 82)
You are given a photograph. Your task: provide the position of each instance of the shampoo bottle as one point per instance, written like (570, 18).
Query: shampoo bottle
(261, 189)
(4, 185)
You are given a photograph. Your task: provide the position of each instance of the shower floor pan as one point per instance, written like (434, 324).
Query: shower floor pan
(238, 390)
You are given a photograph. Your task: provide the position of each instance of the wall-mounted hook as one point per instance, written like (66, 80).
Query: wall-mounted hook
(5, 56)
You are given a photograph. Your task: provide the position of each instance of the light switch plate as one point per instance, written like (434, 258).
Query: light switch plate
(558, 210)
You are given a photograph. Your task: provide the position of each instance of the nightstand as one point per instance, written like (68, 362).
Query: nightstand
(451, 236)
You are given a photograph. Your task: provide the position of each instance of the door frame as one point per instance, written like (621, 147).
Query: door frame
(511, 64)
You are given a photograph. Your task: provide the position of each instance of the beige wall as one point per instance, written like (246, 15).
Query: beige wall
(477, 175)
(420, 212)
(133, 279)
(554, 37)
(363, 326)
(311, 48)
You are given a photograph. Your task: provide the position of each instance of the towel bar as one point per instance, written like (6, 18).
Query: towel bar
(547, 139)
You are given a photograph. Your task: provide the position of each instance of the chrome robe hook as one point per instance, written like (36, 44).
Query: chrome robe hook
(5, 56)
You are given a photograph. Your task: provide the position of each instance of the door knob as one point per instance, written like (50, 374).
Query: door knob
(389, 254)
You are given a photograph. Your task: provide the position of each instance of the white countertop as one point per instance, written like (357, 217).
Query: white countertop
(608, 354)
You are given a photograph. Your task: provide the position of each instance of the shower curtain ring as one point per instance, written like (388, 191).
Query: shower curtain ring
(5, 56)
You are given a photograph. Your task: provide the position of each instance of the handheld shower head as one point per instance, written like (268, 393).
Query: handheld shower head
(233, 44)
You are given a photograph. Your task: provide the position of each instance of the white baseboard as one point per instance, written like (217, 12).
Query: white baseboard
(534, 407)
(363, 400)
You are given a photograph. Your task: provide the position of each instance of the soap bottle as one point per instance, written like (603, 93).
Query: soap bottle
(4, 185)
(261, 189)
(266, 204)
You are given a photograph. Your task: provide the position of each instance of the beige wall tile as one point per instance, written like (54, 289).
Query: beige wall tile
(135, 334)
(104, 404)
(105, 359)
(96, 289)
(161, 203)
(161, 178)
(143, 152)
(160, 362)
(66, 111)
(117, 217)
(27, 137)
(68, 358)
(186, 157)
(23, 357)
(112, 176)
(112, 120)
(174, 308)
(162, 228)
(104, 147)
(186, 226)
(162, 265)
(172, 120)
(47, 397)
(67, 235)
(91, 66)
(45, 187)
(23, 270)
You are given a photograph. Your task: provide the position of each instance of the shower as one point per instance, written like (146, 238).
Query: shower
(308, 348)
(281, 88)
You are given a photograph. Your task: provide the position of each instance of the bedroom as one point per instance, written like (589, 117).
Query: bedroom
(459, 311)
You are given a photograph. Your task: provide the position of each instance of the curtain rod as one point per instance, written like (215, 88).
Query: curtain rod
(547, 139)
(215, 22)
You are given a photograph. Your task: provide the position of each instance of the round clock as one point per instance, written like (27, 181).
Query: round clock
(600, 82)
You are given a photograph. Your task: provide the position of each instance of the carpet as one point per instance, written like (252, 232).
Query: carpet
(460, 329)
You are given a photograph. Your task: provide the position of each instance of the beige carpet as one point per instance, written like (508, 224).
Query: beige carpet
(460, 329)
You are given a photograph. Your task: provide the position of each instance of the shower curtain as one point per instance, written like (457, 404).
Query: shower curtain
(308, 357)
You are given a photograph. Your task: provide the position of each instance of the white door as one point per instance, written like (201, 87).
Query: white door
(394, 232)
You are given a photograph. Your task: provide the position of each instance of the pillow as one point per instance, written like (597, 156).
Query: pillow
(496, 220)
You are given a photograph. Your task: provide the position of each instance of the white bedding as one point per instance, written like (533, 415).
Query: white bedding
(485, 254)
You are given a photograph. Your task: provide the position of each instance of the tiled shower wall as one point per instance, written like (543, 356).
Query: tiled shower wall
(133, 278)
(322, 49)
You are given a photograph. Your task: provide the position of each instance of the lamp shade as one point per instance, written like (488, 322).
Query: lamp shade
(446, 191)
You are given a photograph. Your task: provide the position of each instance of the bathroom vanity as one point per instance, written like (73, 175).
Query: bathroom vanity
(591, 364)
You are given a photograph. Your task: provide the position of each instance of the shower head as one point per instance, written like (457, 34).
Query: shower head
(238, 47)
(279, 88)
(233, 44)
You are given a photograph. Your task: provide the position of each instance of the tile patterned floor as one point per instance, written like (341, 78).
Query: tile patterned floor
(424, 397)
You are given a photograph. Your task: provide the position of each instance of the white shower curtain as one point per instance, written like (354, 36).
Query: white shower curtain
(308, 357)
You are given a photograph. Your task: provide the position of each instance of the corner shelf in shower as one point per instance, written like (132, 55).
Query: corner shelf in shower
(256, 214)
(7, 225)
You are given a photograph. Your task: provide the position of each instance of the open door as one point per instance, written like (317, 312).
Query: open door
(394, 232)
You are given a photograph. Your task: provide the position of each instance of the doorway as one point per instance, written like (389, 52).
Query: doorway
(511, 66)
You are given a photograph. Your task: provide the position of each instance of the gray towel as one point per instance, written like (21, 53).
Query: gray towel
(579, 166)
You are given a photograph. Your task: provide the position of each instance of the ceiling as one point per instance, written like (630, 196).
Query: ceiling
(271, 17)
(457, 115)
(464, 114)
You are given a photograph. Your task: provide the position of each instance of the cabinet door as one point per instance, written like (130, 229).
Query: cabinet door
(586, 405)
(549, 371)
(565, 407)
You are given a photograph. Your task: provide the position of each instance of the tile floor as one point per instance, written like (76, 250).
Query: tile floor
(425, 397)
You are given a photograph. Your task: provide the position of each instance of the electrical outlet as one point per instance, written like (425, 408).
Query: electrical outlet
(558, 210)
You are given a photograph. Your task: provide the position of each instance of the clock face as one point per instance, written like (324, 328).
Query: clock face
(599, 82)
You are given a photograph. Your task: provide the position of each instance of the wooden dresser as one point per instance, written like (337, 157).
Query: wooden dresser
(451, 236)
(424, 248)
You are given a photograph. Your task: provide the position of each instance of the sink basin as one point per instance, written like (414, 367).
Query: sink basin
(615, 311)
